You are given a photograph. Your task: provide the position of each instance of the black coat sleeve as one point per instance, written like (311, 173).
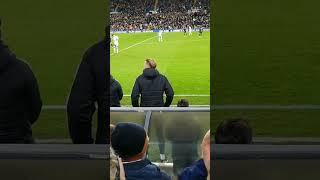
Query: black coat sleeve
(169, 93)
(34, 102)
(120, 92)
(81, 104)
(135, 94)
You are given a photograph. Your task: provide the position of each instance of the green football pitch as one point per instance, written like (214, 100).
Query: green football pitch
(184, 60)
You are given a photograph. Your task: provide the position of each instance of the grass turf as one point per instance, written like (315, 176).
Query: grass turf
(267, 52)
(184, 60)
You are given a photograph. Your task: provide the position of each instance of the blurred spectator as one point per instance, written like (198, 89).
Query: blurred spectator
(90, 87)
(130, 142)
(111, 129)
(116, 93)
(20, 101)
(200, 170)
(116, 167)
(183, 103)
(184, 133)
(233, 131)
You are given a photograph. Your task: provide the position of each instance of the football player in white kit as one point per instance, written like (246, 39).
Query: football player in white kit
(190, 30)
(160, 35)
(115, 40)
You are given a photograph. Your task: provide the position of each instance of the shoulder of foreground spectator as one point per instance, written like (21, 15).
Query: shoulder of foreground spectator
(196, 171)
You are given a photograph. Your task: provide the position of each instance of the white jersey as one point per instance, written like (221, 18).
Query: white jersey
(160, 33)
(190, 29)
(115, 40)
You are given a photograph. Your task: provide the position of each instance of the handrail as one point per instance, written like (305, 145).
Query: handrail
(162, 109)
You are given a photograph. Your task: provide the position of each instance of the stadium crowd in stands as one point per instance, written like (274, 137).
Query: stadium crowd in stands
(141, 15)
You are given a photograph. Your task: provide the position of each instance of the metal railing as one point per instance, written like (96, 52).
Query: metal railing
(149, 110)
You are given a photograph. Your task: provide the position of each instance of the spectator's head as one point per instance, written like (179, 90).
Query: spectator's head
(183, 103)
(129, 141)
(233, 131)
(150, 63)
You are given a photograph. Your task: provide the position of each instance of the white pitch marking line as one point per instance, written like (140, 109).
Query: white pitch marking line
(134, 45)
(182, 95)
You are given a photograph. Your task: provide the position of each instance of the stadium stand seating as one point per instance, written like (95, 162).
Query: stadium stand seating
(141, 15)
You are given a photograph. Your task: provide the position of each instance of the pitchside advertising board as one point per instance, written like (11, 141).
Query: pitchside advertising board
(156, 30)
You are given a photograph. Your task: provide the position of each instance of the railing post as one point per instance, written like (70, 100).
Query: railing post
(147, 121)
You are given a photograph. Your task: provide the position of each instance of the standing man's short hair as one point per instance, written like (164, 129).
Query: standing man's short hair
(152, 63)
(233, 131)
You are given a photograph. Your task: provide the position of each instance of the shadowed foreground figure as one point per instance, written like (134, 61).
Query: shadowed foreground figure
(20, 102)
(90, 87)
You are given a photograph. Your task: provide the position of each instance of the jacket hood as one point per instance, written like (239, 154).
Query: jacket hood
(150, 73)
(5, 55)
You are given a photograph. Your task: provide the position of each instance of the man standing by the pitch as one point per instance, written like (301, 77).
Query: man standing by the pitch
(90, 87)
(20, 101)
(151, 86)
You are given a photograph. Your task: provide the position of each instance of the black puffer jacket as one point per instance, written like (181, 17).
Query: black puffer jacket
(20, 102)
(151, 85)
(116, 93)
(90, 87)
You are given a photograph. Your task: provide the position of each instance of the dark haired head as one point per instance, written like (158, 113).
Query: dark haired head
(233, 131)
(183, 103)
(128, 139)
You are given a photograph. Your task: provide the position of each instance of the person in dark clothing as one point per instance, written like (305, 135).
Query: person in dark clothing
(116, 93)
(151, 85)
(132, 151)
(184, 133)
(91, 85)
(20, 101)
(200, 31)
(199, 170)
